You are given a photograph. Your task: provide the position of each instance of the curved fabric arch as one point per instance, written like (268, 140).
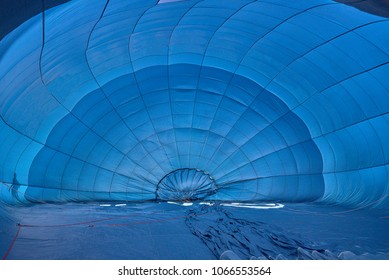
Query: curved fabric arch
(275, 100)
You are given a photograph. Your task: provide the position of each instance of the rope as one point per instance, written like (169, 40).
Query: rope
(12, 244)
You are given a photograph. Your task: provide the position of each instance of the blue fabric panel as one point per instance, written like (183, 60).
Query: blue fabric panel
(273, 100)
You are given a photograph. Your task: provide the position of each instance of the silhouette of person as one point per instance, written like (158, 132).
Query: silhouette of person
(14, 189)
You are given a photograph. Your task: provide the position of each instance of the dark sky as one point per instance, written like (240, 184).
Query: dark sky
(15, 12)
(378, 7)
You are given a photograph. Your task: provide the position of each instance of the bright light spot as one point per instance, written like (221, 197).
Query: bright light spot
(206, 203)
(182, 204)
(105, 205)
(168, 1)
(234, 204)
(120, 204)
(254, 206)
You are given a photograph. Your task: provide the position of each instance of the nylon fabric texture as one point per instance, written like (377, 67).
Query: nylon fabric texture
(275, 100)
(116, 115)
